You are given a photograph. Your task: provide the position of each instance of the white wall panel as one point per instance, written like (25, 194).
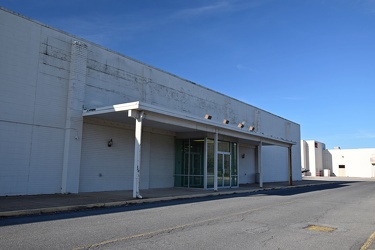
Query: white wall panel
(357, 161)
(162, 161)
(247, 165)
(32, 164)
(275, 164)
(111, 168)
(19, 50)
(15, 148)
(145, 160)
(106, 168)
(46, 159)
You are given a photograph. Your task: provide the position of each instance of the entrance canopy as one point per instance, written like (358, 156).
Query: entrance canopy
(174, 121)
(162, 118)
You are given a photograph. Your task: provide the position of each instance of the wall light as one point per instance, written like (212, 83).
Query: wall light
(251, 128)
(208, 117)
(241, 125)
(226, 121)
(110, 143)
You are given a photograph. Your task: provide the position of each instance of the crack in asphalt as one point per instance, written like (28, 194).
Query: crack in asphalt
(178, 227)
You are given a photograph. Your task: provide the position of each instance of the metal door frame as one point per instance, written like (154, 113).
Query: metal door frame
(221, 154)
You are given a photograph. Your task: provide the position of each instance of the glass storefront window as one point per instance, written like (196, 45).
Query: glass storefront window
(189, 169)
(223, 146)
(189, 166)
(210, 157)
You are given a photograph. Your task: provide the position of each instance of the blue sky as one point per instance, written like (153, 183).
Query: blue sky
(309, 61)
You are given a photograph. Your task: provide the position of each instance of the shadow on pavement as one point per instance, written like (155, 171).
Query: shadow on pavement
(178, 201)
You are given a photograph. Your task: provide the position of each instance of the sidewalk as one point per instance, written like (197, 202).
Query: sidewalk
(39, 204)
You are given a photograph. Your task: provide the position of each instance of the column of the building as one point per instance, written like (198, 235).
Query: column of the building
(205, 163)
(259, 163)
(290, 165)
(74, 120)
(216, 160)
(137, 151)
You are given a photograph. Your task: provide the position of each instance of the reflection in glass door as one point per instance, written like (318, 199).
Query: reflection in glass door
(195, 170)
(224, 170)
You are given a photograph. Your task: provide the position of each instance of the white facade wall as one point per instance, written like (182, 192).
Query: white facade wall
(305, 161)
(356, 161)
(111, 168)
(275, 164)
(312, 157)
(33, 98)
(102, 167)
(147, 84)
(247, 162)
(47, 78)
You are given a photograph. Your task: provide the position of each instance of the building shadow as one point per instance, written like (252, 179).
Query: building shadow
(144, 206)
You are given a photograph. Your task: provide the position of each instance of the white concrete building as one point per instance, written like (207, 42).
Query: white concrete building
(312, 157)
(77, 117)
(337, 162)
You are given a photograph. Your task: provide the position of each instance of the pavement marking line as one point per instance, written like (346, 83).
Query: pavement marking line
(320, 228)
(175, 227)
(368, 242)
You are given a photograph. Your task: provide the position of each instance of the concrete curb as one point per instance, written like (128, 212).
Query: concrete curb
(49, 210)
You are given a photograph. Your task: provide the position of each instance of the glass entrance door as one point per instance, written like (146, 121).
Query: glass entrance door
(224, 169)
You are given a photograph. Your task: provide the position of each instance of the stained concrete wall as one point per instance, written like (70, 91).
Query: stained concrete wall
(113, 78)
